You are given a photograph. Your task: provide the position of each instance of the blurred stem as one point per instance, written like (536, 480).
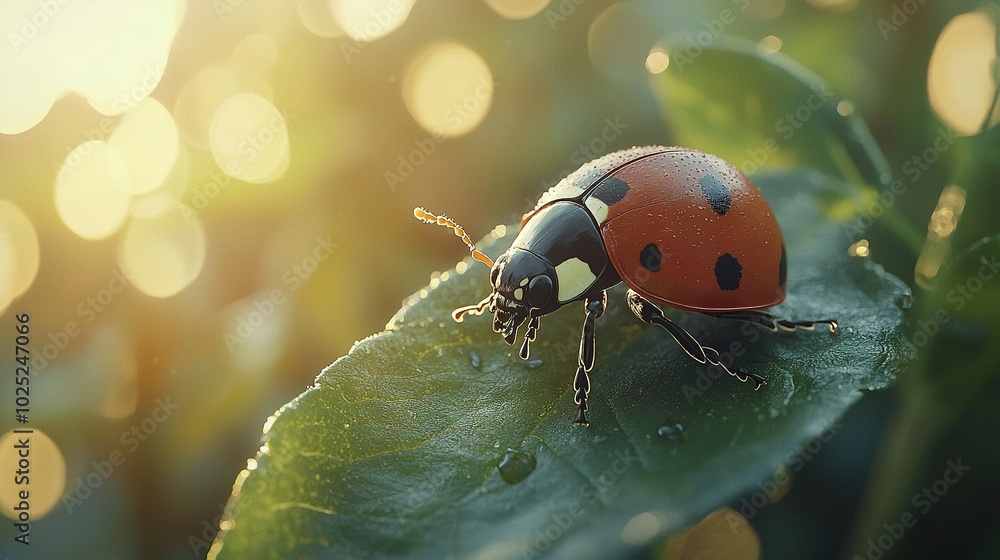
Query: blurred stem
(911, 433)
(903, 230)
(928, 405)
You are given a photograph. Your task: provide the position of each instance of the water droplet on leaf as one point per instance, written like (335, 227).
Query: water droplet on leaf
(671, 431)
(516, 465)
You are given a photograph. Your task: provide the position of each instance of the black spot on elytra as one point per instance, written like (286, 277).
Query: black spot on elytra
(728, 272)
(716, 193)
(650, 257)
(782, 268)
(611, 190)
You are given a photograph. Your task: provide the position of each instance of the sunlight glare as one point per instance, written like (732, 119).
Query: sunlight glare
(147, 140)
(92, 190)
(860, 249)
(202, 95)
(163, 251)
(724, 533)
(937, 246)
(47, 479)
(367, 20)
(961, 78)
(448, 89)
(112, 53)
(19, 255)
(657, 61)
(517, 9)
(771, 44)
(249, 139)
(317, 17)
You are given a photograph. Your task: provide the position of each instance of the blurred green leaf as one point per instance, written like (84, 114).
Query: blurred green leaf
(394, 452)
(762, 111)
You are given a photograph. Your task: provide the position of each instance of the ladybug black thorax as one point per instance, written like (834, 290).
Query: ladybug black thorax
(557, 257)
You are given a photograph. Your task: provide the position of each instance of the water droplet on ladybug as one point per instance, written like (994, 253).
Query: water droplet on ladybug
(516, 465)
(533, 363)
(474, 358)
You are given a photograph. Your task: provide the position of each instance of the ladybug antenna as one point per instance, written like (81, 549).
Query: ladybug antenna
(426, 217)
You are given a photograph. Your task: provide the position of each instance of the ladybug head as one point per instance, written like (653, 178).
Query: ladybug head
(523, 286)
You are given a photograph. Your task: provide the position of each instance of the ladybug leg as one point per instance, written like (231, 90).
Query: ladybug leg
(768, 321)
(529, 336)
(588, 349)
(651, 314)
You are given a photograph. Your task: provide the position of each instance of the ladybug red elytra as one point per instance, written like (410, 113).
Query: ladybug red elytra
(680, 227)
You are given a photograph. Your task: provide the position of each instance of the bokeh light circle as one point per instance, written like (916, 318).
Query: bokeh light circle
(448, 89)
(317, 17)
(148, 142)
(517, 9)
(112, 53)
(249, 139)
(961, 78)
(19, 255)
(47, 479)
(163, 249)
(620, 40)
(367, 20)
(202, 95)
(92, 190)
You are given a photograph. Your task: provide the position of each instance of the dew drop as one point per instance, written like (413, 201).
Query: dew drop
(516, 465)
(534, 363)
(671, 431)
(474, 358)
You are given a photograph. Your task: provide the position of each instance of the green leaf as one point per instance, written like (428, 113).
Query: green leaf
(394, 452)
(764, 110)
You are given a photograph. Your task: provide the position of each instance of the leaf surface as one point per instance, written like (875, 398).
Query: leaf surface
(394, 452)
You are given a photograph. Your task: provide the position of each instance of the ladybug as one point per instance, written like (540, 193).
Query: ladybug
(680, 227)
